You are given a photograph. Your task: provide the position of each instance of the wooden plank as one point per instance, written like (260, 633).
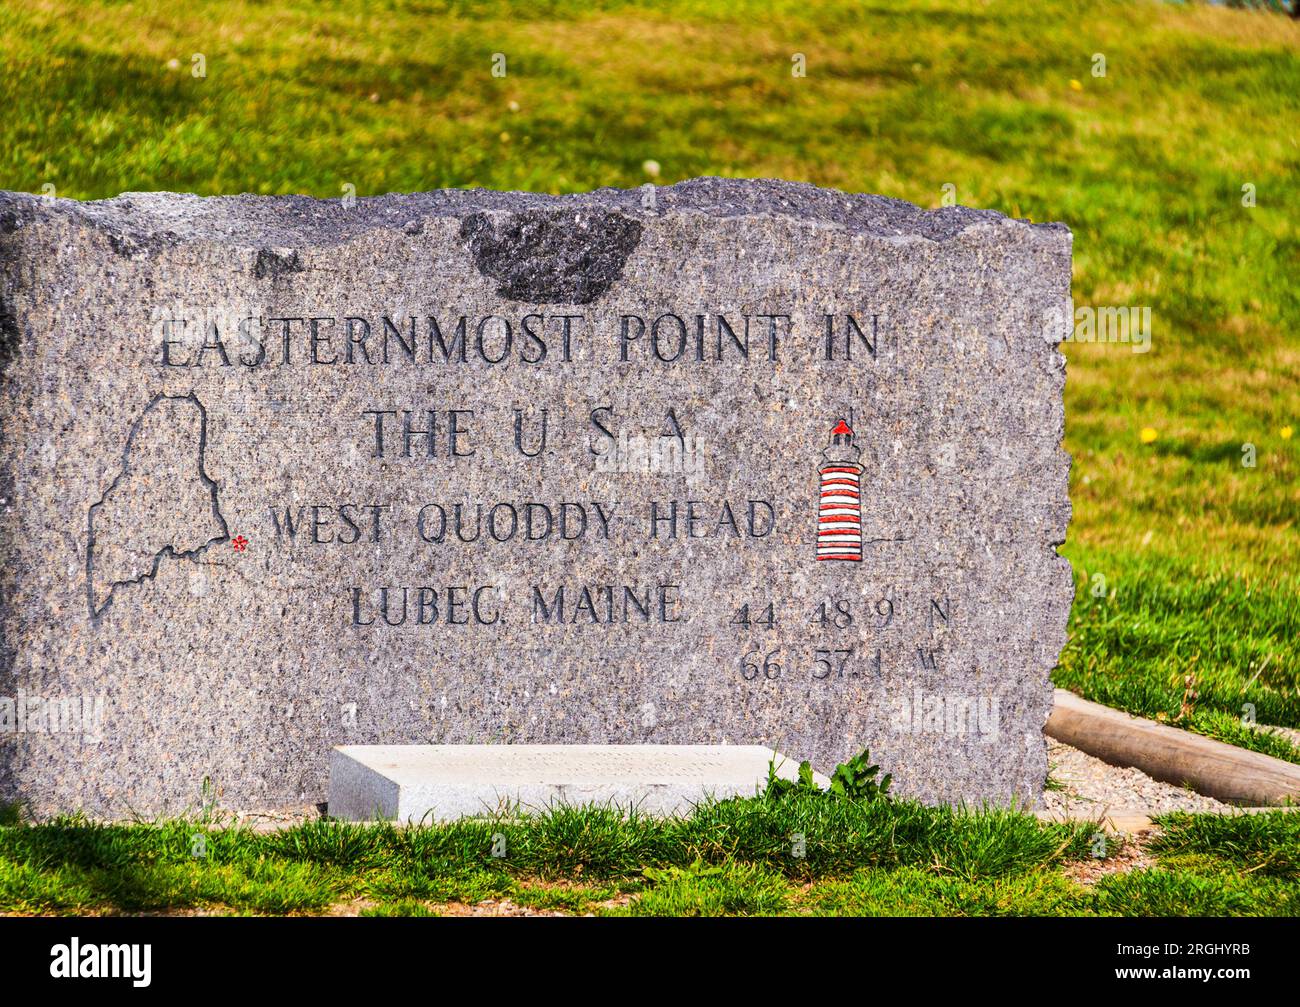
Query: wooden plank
(1172, 755)
(1126, 820)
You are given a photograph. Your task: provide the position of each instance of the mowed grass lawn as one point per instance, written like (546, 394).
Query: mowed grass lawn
(798, 856)
(1186, 558)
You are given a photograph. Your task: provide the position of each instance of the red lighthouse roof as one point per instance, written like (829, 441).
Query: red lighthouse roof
(842, 430)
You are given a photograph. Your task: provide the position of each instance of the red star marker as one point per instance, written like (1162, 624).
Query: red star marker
(240, 543)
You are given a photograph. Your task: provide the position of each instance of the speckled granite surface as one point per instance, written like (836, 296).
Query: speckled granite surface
(228, 543)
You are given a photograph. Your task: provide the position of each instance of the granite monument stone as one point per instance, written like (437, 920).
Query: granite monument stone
(742, 462)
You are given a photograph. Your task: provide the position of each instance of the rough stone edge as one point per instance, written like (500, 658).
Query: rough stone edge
(1057, 322)
(137, 221)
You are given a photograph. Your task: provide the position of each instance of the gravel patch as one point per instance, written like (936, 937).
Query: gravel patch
(1095, 787)
(276, 819)
(1292, 734)
(1132, 854)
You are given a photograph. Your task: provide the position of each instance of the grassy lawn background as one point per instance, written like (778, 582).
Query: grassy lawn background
(1186, 560)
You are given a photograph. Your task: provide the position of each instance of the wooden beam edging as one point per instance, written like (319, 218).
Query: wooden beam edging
(1172, 755)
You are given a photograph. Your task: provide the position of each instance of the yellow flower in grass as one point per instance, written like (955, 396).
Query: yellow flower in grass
(1286, 433)
(1148, 435)
(1075, 86)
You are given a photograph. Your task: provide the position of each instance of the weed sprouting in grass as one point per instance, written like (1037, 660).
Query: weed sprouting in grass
(854, 780)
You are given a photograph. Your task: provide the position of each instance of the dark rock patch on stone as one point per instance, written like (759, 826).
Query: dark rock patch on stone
(272, 263)
(549, 257)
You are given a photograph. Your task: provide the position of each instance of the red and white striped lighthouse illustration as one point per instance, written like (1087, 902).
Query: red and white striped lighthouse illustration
(839, 508)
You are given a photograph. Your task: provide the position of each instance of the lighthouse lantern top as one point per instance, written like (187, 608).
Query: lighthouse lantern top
(841, 448)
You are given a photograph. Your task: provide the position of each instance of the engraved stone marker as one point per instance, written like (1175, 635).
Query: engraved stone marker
(741, 462)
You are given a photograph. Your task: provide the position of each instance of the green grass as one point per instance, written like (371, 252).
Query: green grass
(1198, 552)
(1152, 623)
(1265, 844)
(798, 856)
